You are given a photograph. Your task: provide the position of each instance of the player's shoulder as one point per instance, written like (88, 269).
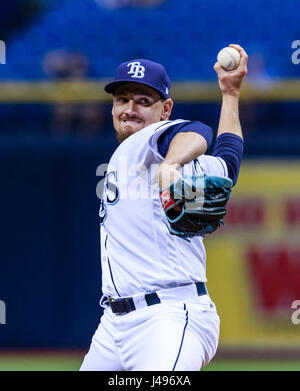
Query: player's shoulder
(168, 124)
(178, 125)
(192, 126)
(189, 124)
(154, 131)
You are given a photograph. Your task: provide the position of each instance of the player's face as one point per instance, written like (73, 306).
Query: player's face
(136, 106)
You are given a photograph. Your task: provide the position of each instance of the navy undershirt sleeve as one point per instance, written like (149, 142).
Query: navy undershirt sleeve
(191, 126)
(230, 148)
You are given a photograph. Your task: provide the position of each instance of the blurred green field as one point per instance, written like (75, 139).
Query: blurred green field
(40, 362)
(72, 362)
(250, 365)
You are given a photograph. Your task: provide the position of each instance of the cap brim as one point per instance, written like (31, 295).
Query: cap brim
(112, 87)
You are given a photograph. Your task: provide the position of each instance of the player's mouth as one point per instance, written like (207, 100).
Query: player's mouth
(131, 121)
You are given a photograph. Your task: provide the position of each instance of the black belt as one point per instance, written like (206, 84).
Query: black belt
(125, 305)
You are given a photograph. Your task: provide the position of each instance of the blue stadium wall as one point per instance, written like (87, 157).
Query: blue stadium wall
(50, 277)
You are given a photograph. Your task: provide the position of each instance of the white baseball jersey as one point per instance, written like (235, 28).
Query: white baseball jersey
(138, 253)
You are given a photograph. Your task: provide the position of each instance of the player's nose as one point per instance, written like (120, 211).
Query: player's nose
(131, 107)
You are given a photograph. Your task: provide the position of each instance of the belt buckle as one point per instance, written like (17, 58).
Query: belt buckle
(127, 304)
(124, 301)
(112, 300)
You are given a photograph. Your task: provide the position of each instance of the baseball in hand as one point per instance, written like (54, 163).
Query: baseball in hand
(229, 58)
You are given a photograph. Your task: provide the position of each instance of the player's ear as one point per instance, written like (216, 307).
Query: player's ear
(167, 108)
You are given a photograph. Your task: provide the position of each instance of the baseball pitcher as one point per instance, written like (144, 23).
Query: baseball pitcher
(162, 195)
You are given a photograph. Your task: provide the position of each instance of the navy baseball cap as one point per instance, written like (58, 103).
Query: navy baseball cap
(141, 71)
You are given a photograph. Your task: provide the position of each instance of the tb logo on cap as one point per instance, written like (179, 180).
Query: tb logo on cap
(136, 70)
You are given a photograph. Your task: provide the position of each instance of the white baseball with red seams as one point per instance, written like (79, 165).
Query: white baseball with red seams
(229, 58)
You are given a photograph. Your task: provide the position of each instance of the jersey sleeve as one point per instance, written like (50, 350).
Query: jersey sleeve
(229, 147)
(160, 142)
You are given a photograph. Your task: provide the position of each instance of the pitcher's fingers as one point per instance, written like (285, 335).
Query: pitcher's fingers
(218, 68)
(244, 55)
(238, 47)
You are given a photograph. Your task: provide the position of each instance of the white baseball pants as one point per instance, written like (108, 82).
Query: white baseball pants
(179, 334)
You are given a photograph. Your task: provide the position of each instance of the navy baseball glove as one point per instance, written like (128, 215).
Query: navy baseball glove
(195, 205)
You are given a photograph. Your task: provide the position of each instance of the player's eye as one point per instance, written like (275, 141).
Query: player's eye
(144, 101)
(121, 99)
